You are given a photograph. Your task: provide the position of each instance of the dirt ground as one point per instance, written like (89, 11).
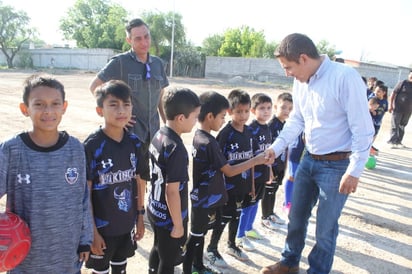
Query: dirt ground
(376, 224)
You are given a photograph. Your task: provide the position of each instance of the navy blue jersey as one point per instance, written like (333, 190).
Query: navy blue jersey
(380, 111)
(275, 127)
(263, 137)
(112, 167)
(209, 188)
(237, 147)
(169, 163)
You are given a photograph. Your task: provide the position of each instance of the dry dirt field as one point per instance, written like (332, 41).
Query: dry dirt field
(376, 224)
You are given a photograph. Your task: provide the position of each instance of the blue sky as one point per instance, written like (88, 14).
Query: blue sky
(367, 30)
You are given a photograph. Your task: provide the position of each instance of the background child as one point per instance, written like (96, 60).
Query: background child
(168, 195)
(43, 174)
(261, 107)
(209, 192)
(236, 143)
(282, 108)
(114, 162)
(380, 92)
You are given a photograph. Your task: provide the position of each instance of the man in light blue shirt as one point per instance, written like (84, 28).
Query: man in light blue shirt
(330, 106)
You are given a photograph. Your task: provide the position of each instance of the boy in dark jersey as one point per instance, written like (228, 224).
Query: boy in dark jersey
(209, 192)
(236, 143)
(114, 165)
(270, 219)
(168, 195)
(43, 173)
(262, 109)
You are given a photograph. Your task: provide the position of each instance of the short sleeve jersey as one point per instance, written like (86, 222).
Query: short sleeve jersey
(380, 111)
(112, 168)
(275, 127)
(209, 188)
(403, 100)
(169, 163)
(261, 135)
(237, 147)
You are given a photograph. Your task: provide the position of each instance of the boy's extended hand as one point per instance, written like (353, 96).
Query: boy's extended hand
(140, 229)
(177, 232)
(98, 245)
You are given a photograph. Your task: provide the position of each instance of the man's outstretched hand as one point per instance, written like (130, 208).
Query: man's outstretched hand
(270, 156)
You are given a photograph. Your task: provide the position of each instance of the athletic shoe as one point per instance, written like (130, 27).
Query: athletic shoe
(276, 219)
(206, 270)
(253, 234)
(215, 259)
(245, 244)
(268, 223)
(237, 253)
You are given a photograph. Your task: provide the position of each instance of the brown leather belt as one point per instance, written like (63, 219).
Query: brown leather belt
(334, 156)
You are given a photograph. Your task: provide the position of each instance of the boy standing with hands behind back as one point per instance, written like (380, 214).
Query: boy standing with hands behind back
(168, 195)
(114, 162)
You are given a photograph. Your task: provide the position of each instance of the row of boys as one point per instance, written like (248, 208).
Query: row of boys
(111, 168)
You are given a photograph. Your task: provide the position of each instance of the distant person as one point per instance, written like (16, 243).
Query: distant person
(400, 105)
(381, 93)
(145, 74)
(330, 106)
(167, 205)
(43, 173)
(114, 165)
(209, 192)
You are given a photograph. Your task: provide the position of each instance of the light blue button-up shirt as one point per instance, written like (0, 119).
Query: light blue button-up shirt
(332, 109)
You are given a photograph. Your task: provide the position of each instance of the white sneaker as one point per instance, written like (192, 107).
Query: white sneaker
(215, 259)
(276, 219)
(237, 253)
(253, 234)
(245, 244)
(268, 223)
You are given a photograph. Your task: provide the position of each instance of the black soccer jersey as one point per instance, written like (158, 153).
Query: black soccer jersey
(237, 147)
(208, 183)
(169, 163)
(112, 167)
(276, 126)
(263, 137)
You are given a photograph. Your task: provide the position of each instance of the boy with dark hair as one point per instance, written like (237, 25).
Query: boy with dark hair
(270, 219)
(209, 193)
(236, 142)
(261, 107)
(168, 195)
(114, 165)
(43, 173)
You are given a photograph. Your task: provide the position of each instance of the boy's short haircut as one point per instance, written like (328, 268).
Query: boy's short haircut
(37, 80)
(179, 101)
(374, 100)
(116, 88)
(383, 87)
(285, 96)
(212, 102)
(260, 98)
(238, 97)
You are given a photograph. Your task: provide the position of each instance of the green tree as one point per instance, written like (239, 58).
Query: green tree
(325, 48)
(14, 32)
(161, 27)
(95, 24)
(212, 44)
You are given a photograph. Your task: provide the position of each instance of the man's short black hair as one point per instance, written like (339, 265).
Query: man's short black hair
(137, 22)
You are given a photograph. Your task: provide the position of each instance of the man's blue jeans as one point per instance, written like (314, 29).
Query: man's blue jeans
(315, 180)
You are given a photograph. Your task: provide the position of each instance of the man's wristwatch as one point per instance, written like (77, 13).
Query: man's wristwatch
(141, 211)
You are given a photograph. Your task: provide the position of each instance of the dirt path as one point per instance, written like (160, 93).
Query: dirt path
(376, 225)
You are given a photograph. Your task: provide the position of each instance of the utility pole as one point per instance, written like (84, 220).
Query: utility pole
(173, 41)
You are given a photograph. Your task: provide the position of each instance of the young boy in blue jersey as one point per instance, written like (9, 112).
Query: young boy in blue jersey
(236, 143)
(261, 107)
(114, 164)
(270, 219)
(168, 195)
(209, 192)
(381, 93)
(43, 173)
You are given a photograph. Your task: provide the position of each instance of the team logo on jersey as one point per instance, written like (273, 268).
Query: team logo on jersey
(234, 146)
(123, 197)
(262, 138)
(23, 179)
(133, 160)
(108, 164)
(71, 175)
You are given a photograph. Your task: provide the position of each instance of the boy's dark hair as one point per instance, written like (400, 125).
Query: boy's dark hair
(383, 88)
(179, 101)
(116, 88)
(374, 100)
(260, 98)
(36, 80)
(286, 96)
(295, 44)
(238, 97)
(137, 22)
(212, 102)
